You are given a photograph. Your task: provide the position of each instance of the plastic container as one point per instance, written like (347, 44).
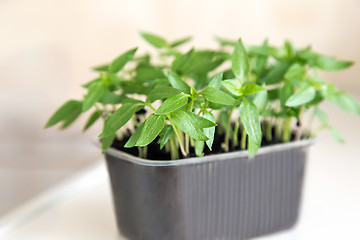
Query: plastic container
(225, 196)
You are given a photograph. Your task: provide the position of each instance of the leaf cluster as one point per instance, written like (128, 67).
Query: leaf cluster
(181, 98)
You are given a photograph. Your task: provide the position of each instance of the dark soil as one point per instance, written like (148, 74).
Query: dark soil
(154, 152)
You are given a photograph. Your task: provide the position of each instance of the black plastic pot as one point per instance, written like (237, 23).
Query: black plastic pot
(225, 196)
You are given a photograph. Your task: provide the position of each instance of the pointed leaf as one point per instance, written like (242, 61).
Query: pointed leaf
(215, 81)
(107, 141)
(285, 92)
(321, 116)
(217, 96)
(161, 92)
(233, 86)
(165, 135)
(327, 63)
(260, 100)
(134, 137)
(95, 92)
(180, 42)
(92, 119)
(209, 132)
(250, 119)
(67, 113)
(173, 103)
(348, 103)
(120, 118)
(295, 72)
(240, 61)
(118, 63)
(336, 135)
(154, 40)
(177, 82)
(185, 123)
(201, 121)
(301, 97)
(101, 68)
(251, 88)
(152, 127)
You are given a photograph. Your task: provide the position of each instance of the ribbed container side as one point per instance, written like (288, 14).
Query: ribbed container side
(228, 199)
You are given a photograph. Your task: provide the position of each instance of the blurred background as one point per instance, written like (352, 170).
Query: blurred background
(47, 49)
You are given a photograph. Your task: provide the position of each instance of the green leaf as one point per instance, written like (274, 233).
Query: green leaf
(233, 86)
(200, 121)
(252, 148)
(240, 61)
(161, 92)
(348, 103)
(88, 84)
(67, 114)
(295, 72)
(249, 116)
(148, 74)
(152, 127)
(95, 92)
(215, 81)
(177, 82)
(111, 98)
(336, 135)
(185, 123)
(251, 88)
(165, 135)
(107, 141)
(180, 42)
(134, 137)
(209, 132)
(92, 119)
(260, 100)
(120, 118)
(225, 42)
(301, 97)
(285, 92)
(327, 63)
(217, 96)
(118, 63)
(276, 73)
(172, 103)
(154, 40)
(199, 147)
(101, 68)
(321, 116)
(266, 50)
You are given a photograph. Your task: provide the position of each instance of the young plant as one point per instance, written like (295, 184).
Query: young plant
(187, 103)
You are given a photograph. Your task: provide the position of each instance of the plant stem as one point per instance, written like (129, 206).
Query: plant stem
(236, 132)
(179, 137)
(287, 130)
(190, 108)
(145, 151)
(140, 152)
(173, 148)
(243, 139)
(228, 125)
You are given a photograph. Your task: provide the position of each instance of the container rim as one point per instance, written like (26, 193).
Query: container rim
(210, 158)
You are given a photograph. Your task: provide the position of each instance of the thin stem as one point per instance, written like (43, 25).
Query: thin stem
(190, 108)
(227, 133)
(174, 152)
(179, 137)
(236, 133)
(243, 139)
(287, 130)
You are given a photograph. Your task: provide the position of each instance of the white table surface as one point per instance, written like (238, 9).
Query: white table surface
(81, 207)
